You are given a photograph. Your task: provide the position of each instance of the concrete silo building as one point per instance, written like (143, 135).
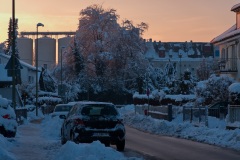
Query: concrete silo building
(46, 52)
(25, 49)
(63, 42)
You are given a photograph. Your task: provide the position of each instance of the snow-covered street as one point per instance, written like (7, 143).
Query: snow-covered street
(40, 139)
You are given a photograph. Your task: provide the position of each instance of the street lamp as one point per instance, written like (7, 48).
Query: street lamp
(180, 56)
(36, 63)
(13, 55)
(147, 90)
(63, 47)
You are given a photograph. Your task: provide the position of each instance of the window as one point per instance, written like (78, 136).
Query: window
(223, 56)
(30, 79)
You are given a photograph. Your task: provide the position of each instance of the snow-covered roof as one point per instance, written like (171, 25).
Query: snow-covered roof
(235, 7)
(151, 51)
(231, 32)
(22, 63)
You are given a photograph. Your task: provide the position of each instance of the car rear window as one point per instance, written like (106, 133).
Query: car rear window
(62, 108)
(99, 110)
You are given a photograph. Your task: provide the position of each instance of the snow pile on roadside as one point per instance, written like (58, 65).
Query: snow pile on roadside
(4, 146)
(52, 127)
(93, 151)
(215, 134)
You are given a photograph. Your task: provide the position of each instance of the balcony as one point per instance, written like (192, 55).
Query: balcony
(228, 65)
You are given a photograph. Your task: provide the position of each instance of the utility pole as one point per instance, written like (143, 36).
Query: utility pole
(13, 55)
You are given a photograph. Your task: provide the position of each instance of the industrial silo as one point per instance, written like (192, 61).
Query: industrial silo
(46, 52)
(25, 49)
(63, 44)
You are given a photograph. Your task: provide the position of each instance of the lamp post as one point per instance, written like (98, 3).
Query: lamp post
(13, 55)
(180, 56)
(147, 90)
(63, 47)
(36, 63)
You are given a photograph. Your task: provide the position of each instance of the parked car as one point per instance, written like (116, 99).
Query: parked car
(92, 121)
(8, 123)
(218, 109)
(61, 109)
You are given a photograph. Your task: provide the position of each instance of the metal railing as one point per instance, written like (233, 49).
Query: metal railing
(159, 112)
(228, 65)
(196, 115)
(233, 113)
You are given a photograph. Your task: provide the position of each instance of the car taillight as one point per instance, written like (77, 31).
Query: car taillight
(78, 122)
(7, 116)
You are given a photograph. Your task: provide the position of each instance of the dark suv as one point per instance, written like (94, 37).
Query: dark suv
(91, 121)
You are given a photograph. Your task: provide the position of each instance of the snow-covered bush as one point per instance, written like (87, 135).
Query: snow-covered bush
(214, 89)
(234, 93)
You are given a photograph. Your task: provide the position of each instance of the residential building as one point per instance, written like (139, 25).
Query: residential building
(28, 73)
(183, 55)
(229, 47)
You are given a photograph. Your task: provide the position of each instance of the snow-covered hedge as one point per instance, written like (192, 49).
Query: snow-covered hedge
(154, 98)
(177, 99)
(160, 98)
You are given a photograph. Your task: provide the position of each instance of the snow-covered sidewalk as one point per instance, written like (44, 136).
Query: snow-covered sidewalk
(31, 145)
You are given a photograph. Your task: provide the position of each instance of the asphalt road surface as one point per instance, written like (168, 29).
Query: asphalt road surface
(155, 147)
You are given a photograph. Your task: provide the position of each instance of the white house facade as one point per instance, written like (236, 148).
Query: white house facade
(28, 73)
(229, 47)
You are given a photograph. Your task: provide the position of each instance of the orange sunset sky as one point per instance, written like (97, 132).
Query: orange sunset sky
(168, 20)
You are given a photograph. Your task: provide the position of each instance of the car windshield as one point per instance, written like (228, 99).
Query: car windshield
(99, 110)
(62, 108)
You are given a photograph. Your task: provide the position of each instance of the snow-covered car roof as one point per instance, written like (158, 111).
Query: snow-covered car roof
(93, 102)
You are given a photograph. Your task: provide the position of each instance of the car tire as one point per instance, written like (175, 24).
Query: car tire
(120, 145)
(63, 140)
(107, 144)
(9, 134)
(72, 135)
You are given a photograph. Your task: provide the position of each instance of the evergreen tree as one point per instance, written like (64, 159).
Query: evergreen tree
(8, 42)
(78, 58)
(46, 82)
(187, 83)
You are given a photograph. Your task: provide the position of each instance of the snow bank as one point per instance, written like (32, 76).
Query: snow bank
(215, 134)
(93, 151)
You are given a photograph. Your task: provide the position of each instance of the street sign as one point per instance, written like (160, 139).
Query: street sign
(9, 67)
